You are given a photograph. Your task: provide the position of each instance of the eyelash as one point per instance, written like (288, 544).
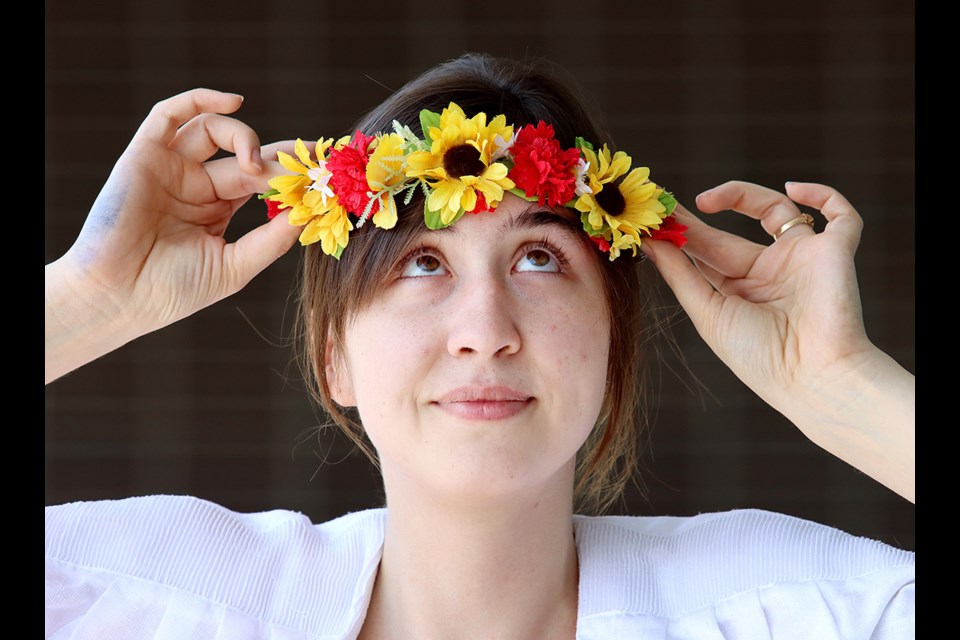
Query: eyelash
(545, 245)
(427, 249)
(413, 254)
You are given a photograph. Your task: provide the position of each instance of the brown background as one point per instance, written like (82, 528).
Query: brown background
(701, 92)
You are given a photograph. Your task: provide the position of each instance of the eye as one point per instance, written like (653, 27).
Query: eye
(422, 264)
(540, 258)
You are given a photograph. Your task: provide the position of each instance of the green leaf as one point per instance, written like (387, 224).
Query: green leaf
(339, 252)
(267, 194)
(587, 227)
(668, 201)
(517, 191)
(431, 218)
(583, 144)
(428, 119)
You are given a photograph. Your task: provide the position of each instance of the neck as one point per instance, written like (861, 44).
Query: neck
(503, 568)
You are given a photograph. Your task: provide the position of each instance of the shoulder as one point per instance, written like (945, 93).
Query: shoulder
(271, 566)
(742, 562)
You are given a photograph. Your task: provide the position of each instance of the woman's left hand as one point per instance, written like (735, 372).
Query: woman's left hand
(786, 318)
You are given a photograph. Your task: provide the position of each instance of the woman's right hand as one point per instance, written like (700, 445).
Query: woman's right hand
(152, 251)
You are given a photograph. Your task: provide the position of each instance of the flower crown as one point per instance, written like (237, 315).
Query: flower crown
(464, 165)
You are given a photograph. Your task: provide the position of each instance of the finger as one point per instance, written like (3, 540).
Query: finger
(772, 208)
(726, 252)
(842, 218)
(693, 291)
(230, 183)
(259, 248)
(204, 135)
(716, 279)
(167, 116)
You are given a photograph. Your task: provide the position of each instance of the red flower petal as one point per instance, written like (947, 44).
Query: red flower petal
(541, 168)
(274, 208)
(602, 244)
(481, 204)
(348, 168)
(671, 231)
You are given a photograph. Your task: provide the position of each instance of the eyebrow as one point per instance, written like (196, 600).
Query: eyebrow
(535, 217)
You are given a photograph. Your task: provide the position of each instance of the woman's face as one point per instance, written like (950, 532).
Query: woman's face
(480, 368)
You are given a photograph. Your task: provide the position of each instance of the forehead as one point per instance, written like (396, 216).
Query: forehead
(515, 214)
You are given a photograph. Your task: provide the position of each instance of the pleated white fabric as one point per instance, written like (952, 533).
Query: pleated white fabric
(175, 568)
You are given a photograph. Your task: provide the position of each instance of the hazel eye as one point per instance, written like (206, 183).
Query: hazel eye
(425, 264)
(538, 260)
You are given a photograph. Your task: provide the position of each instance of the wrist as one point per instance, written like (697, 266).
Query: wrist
(81, 322)
(865, 415)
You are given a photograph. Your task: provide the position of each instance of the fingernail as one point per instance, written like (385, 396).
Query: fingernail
(236, 95)
(708, 191)
(788, 183)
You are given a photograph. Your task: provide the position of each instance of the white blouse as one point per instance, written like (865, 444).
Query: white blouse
(171, 567)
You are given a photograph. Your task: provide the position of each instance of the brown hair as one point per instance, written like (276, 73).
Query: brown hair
(331, 290)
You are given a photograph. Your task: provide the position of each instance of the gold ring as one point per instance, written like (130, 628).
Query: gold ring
(803, 218)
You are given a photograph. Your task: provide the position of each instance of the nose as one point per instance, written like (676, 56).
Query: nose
(483, 321)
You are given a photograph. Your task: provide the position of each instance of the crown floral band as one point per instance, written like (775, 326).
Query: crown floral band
(465, 165)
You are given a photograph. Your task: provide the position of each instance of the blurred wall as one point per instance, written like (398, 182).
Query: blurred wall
(702, 92)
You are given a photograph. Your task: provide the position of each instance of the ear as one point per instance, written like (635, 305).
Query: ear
(338, 377)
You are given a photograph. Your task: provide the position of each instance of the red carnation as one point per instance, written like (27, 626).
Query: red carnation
(274, 208)
(671, 231)
(541, 168)
(348, 168)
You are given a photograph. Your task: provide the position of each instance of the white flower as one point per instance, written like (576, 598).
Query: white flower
(581, 173)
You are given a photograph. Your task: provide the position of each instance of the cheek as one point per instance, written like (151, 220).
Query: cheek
(577, 348)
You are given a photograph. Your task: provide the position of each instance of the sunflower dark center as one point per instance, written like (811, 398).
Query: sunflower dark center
(462, 160)
(611, 200)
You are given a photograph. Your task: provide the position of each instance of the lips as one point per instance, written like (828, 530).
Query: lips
(484, 402)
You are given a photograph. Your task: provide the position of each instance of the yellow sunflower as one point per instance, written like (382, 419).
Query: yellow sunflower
(619, 210)
(458, 165)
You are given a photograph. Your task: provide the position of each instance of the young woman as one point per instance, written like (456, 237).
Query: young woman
(472, 315)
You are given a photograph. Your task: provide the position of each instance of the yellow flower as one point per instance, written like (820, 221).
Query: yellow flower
(458, 165)
(308, 181)
(313, 203)
(385, 172)
(619, 211)
(331, 229)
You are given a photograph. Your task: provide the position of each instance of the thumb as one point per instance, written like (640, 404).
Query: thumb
(259, 248)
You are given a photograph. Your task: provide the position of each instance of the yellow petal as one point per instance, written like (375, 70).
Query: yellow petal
(442, 193)
(310, 233)
(286, 184)
(496, 171)
(301, 214)
(619, 166)
(637, 178)
(386, 217)
(288, 163)
(469, 199)
(301, 150)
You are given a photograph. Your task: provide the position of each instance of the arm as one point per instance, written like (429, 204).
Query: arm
(151, 251)
(786, 318)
